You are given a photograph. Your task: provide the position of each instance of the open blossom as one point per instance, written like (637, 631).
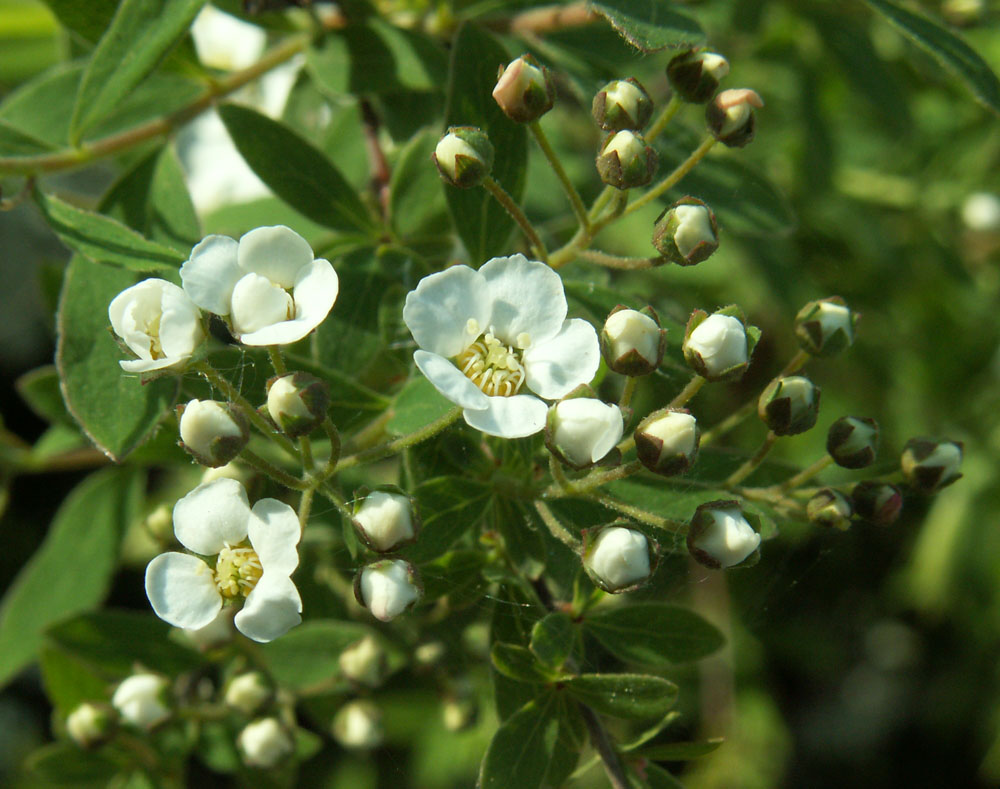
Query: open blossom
(159, 324)
(267, 284)
(256, 553)
(496, 341)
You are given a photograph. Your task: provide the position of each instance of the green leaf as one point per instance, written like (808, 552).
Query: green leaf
(553, 638)
(650, 25)
(448, 507)
(14, 142)
(65, 764)
(350, 401)
(517, 662)
(624, 695)
(417, 404)
(115, 410)
(518, 526)
(654, 634)
(675, 500)
(482, 224)
(69, 681)
(680, 751)
(456, 575)
(949, 50)
(658, 778)
(73, 568)
(39, 388)
(416, 202)
(140, 35)
(88, 20)
(308, 654)
(106, 240)
(302, 175)
(520, 751)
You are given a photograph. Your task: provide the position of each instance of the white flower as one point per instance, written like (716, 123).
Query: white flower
(358, 724)
(981, 211)
(619, 558)
(141, 700)
(720, 341)
(694, 227)
(211, 433)
(487, 335)
(224, 42)
(89, 724)
(667, 442)
(385, 520)
(216, 520)
(268, 284)
(264, 743)
(387, 588)
(363, 662)
(721, 537)
(158, 322)
(583, 430)
(631, 342)
(248, 692)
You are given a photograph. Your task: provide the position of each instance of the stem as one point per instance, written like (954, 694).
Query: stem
(512, 208)
(631, 382)
(621, 263)
(557, 168)
(557, 530)
(672, 108)
(593, 480)
(688, 392)
(305, 447)
(671, 180)
(752, 463)
(277, 360)
(334, 436)
(556, 470)
(397, 444)
(266, 467)
(602, 744)
(377, 163)
(794, 364)
(805, 475)
(337, 499)
(639, 514)
(10, 203)
(305, 507)
(89, 152)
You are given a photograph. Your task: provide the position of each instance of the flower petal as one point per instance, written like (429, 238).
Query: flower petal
(182, 590)
(271, 609)
(528, 299)
(143, 366)
(212, 516)
(277, 253)
(315, 293)
(447, 311)
(274, 534)
(180, 323)
(509, 417)
(555, 368)
(450, 381)
(211, 273)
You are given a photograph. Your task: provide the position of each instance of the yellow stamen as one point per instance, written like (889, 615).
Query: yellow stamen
(237, 571)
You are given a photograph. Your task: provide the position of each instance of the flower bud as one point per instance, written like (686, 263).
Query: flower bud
(363, 662)
(358, 724)
(582, 430)
(298, 403)
(830, 508)
(622, 104)
(617, 559)
(248, 692)
(632, 341)
(696, 75)
(718, 346)
(877, 502)
(212, 432)
(930, 465)
(265, 743)
(626, 161)
(731, 118)
(141, 700)
(686, 233)
(666, 442)
(90, 725)
(789, 405)
(719, 535)
(386, 520)
(387, 588)
(524, 90)
(825, 327)
(853, 441)
(459, 714)
(981, 212)
(464, 156)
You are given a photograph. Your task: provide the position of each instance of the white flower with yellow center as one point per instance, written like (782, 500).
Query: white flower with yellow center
(267, 284)
(255, 552)
(496, 341)
(159, 324)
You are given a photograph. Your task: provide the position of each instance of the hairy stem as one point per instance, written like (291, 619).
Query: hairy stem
(688, 392)
(674, 178)
(752, 463)
(267, 468)
(604, 747)
(397, 444)
(557, 168)
(512, 208)
(657, 127)
(557, 530)
(618, 262)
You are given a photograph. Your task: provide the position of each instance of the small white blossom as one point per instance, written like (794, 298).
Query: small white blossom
(667, 442)
(735, 107)
(363, 662)
(722, 535)
(981, 211)
(486, 336)
(210, 432)
(694, 227)
(385, 520)
(267, 284)
(358, 724)
(216, 520)
(582, 430)
(628, 332)
(89, 724)
(159, 324)
(387, 588)
(720, 341)
(224, 42)
(628, 145)
(264, 743)
(248, 692)
(141, 700)
(619, 558)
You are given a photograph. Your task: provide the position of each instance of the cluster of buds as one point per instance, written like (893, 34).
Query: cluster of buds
(213, 433)
(686, 233)
(464, 156)
(622, 104)
(731, 118)
(297, 403)
(666, 441)
(852, 441)
(929, 465)
(387, 588)
(524, 90)
(696, 74)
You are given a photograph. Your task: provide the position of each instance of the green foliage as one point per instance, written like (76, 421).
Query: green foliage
(649, 25)
(679, 635)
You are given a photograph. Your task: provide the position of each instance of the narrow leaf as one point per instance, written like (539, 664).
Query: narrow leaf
(39, 388)
(650, 25)
(517, 662)
(520, 751)
(449, 507)
(679, 751)
(552, 639)
(624, 695)
(417, 404)
(654, 634)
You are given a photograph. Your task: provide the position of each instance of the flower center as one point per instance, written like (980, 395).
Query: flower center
(492, 366)
(152, 330)
(237, 571)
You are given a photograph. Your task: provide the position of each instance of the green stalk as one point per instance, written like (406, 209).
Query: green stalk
(557, 168)
(512, 208)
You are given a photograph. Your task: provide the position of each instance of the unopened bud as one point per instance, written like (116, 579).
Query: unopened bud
(622, 104)
(686, 233)
(981, 212)
(666, 442)
(852, 441)
(825, 327)
(387, 588)
(930, 465)
(386, 520)
(142, 701)
(720, 536)
(718, 346)
(582, 430)
(524, 90)
(632, 341)
(789, 405)
(363, 662)
(877, 502)
(358, 724)
(696, 75)
(459, 714)
(90, 725)
(731, 118)
(618, 559)
(265, 743)
(464, 156)
(212, 432)
(625, 161)
(830, 508)
(298, 403)
(248, 692)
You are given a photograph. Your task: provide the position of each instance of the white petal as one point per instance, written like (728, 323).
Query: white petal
(259, 303)
(314, 295)
(448, 310)
(211, 273)
(180, 323)
(450, 381)
(509, 417)
(277, 253)
(555, 368)
(212, 516)
(143, 366)
(586, 429)
(182, 590)
(271, 610)
(274, 532)
(528, 299)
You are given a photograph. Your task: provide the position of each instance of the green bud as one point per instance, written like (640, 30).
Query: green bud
(825, 327)
(626, 161)
(632, 341)
(852, 441)
(622, 104)
(464, 156)
(877, 502)
(524, 90)
(731, 118)
(830, 508)
(666, 442)
(297, 403)
(789, 405)
(695, 75)
(930, 465)
(686, 233)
